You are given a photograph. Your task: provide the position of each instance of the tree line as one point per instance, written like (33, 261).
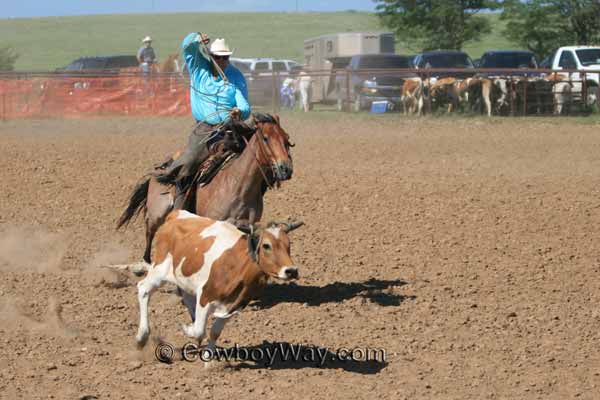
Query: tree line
(537, 25)
(7, 58)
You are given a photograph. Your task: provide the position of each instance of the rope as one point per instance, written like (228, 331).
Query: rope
(208, 97)
(214, 63)
(258, 162)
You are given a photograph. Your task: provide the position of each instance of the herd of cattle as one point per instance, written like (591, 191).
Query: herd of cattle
(538, 95)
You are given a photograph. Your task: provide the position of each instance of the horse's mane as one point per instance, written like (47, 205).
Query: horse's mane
(263, 118)
(240, 128)
(243, 131)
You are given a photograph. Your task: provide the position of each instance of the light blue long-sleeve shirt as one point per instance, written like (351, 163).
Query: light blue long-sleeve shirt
(211, 99)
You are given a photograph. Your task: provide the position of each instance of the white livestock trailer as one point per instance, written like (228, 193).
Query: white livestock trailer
(324, 55)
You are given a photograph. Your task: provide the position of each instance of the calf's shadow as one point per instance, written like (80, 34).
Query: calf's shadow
(283, 355)
(372, 289)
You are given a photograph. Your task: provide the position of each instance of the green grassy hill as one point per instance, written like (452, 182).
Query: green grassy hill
(48, 43)
(493, 41)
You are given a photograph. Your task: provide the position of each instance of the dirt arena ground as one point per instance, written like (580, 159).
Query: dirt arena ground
(465, 248)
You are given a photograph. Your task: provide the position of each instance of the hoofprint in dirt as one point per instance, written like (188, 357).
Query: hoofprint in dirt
(464, 248)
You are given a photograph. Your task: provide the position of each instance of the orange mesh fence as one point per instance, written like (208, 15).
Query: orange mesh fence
(60, 96)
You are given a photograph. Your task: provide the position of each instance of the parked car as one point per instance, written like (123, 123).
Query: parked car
(508, 59)
(242, 64)
(261, 75)
(367, 87)
(259, 65)
(101, 63)
(582, 59)
(85, 68)
(445, 59)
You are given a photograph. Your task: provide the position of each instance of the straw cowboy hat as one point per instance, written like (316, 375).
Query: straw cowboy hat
(146, 39)
(219, 48)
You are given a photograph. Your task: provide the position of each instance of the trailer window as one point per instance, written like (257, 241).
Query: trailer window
(387, 43)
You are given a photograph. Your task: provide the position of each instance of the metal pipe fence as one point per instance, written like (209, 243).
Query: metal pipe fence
(527, 91)
(82, 94)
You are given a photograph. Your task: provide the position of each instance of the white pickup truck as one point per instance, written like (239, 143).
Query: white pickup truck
(584, 59)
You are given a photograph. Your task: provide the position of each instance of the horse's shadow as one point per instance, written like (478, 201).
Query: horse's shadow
(283, 355)
(374, 290)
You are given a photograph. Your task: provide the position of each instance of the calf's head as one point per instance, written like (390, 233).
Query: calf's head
(270, 249)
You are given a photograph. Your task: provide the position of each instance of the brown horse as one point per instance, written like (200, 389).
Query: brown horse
(171, 64)
(234, 194)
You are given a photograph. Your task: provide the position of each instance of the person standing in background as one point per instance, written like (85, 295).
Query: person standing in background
(305, 88)
(146, 56)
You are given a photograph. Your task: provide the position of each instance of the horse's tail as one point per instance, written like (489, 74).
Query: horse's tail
(137, 201)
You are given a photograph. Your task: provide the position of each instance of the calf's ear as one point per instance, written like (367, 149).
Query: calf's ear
(253, 240)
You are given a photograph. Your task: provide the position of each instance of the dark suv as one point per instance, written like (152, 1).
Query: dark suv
(84, 69)
(508, 59)
(445, 59)
(101, 63)
(375, 85)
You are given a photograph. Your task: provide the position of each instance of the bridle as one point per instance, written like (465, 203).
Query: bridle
(266, 152)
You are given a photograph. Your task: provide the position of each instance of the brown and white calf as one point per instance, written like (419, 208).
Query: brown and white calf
(444, 91)
(502, 86)
(561, 94)
(469, 89)
(218, 268)
(412, 96)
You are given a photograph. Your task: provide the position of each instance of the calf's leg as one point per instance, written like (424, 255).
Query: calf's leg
(197, 330)
(154, 279)
(215, 332)
(190, 302)
(486, 93)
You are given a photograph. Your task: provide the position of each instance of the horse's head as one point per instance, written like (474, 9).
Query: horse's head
(273, 146)
(171, 63)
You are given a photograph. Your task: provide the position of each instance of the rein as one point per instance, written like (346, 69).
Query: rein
(263, 149)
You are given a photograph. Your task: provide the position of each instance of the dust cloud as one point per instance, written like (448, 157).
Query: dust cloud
(98, 271)
(27, 249)
(14, 315)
